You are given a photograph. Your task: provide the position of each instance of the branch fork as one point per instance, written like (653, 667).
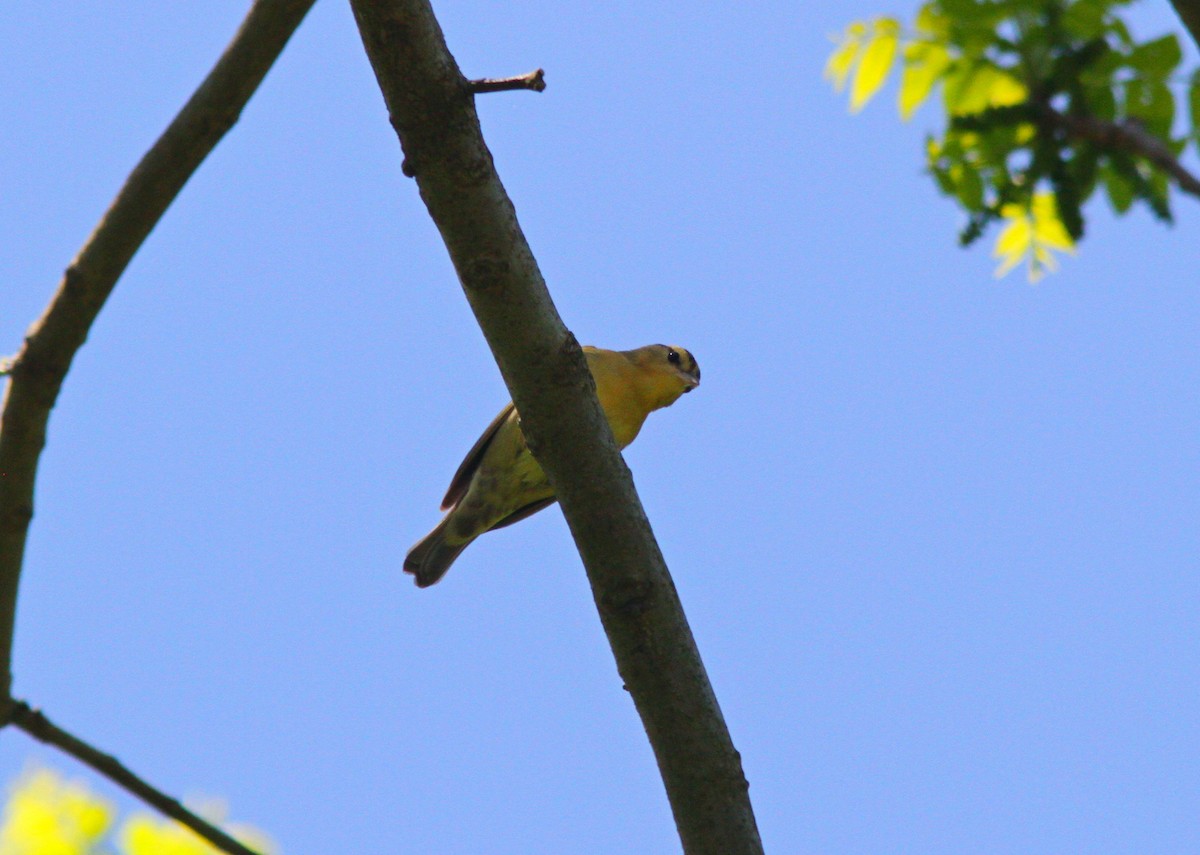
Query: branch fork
(34, 722)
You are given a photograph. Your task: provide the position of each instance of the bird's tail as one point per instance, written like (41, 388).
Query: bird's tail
(431, 557)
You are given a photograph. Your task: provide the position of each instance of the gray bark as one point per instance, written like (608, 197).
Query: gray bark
(433, 112)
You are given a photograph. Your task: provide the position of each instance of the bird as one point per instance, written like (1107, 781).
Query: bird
(500, 482)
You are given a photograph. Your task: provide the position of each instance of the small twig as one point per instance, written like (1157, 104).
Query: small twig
(6, 366)
(534, 80)
(35, 723)
(1127, 136)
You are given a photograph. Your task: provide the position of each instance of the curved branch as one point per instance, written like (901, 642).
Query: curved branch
(1189, 13)
(1127, 136)
(35, 723)
(37, 371)
(432, 109)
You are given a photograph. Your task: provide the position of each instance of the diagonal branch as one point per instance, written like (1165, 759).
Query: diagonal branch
(431, 107)
(35, 723)
(37, 372)
(1127, 136)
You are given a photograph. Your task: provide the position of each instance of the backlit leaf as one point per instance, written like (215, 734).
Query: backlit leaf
(1013, 244)
(1032, 234)
(924, 64)
(841, 61)
(1048, 229)
(877, 58)
(973, 89)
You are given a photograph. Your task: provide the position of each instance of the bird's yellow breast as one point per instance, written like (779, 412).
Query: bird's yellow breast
(617, 391)
(628, 391)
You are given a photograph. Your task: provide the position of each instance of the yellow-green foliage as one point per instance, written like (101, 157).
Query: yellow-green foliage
(48, 815)
(1008, 70)
(1030, 235)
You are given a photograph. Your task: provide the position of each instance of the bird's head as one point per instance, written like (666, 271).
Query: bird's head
(667, 372)
(682, 364)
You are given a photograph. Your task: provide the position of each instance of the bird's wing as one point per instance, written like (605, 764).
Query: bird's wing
(527, 511)
(462, 478)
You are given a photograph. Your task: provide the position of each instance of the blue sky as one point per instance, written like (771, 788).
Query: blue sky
(935, 533)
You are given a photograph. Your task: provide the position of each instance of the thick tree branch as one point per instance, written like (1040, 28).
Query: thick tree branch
(432, 109)
(1129, 137)
(37, 371)
(534, 80)
(36, 724)
(1189, 13)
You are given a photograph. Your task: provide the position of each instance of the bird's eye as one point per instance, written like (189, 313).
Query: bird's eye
(672, 357)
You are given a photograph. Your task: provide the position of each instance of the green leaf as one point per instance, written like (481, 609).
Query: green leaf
(1084, 167)
(1194, 103)
(1121, 30)
(1120, 190)
(878, 55)
(972, 89)
(1101, 102)
(962, 91)
(933, 23)
(1156, 59)
(969, 189)
(1084, 19)
(924, 65)
(1159, 197)
(1100, 71)
(944, 181)
(1152, 103)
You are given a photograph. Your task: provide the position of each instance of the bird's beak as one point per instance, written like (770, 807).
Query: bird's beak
(691, 379)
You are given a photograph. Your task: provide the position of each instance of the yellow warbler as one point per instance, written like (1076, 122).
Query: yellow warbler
(500, 482)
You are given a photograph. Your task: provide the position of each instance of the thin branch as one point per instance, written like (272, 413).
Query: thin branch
(1189, 13)
(1127, 136)
(534, 80)
(35, 723)
(431, 108)
(37, 371)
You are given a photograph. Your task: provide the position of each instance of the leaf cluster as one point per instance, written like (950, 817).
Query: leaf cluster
(46, 813)
(1031, 92)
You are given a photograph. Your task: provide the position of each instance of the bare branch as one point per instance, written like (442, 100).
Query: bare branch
(1127, 136)
(35, 723)
(36, 373)
(534, 80)
(431, 107)
(1189, 13)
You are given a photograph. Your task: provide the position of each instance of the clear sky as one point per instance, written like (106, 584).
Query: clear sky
(936, 533)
